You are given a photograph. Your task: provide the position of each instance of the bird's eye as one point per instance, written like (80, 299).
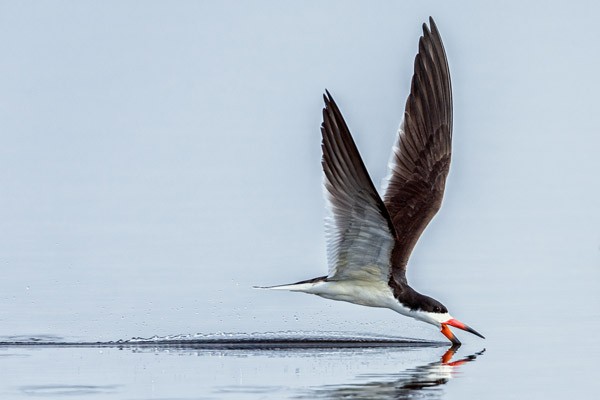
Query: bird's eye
(436, 309)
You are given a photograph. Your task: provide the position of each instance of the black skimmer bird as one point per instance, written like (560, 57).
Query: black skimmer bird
(370, 239)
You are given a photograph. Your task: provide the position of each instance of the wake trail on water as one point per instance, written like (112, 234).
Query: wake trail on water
(235, 341)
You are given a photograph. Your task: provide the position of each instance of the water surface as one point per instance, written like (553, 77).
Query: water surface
(275, 365)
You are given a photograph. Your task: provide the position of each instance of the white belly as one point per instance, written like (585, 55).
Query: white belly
(365, 293)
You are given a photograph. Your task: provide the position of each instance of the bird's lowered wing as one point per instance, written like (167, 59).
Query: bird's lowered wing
(421, 157)
(360, 233)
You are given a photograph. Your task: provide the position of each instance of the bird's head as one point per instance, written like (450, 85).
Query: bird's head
(435, 313)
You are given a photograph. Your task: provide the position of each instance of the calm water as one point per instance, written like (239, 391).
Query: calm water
(547, 357)
(277, 367)
(538, 346)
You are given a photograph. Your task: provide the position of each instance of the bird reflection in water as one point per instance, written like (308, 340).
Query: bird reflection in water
(421, 382)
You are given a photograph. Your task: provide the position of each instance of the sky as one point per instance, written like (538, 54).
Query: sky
(158, 159)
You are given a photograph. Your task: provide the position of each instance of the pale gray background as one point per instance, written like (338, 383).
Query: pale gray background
(157, 159)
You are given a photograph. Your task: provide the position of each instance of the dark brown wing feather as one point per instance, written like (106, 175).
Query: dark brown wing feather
(361, 237)
(422, 157)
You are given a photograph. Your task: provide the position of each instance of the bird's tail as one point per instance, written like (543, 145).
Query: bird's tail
(302, 286)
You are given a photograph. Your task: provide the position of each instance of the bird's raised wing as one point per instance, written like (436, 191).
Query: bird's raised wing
(360, 233)
(421, 157)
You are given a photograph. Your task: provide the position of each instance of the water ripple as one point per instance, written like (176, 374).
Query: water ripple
(67, 390)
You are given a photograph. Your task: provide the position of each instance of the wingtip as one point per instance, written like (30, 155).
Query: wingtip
(433, 27)
(426, 30)
(327, 97)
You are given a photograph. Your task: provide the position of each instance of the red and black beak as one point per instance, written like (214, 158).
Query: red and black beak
(457, 324)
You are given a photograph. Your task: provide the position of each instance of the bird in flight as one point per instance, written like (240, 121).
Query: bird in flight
(370, 239)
